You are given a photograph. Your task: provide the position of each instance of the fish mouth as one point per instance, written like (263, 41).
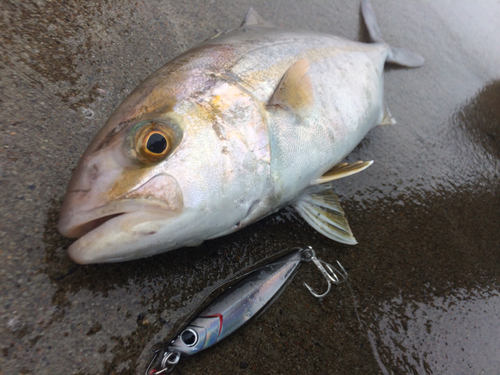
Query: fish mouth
(113, 230)
(84, 228)
(111, 237)
(78, 224)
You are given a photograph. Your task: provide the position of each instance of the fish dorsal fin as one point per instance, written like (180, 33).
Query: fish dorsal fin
(295, 88)
(323, 212)
(218, 34)
(343, 170)
(252, 18)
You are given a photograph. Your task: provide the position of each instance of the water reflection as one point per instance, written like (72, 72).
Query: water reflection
(447, 320)
(454, 334)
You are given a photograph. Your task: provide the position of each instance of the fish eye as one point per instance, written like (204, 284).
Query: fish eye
(153, 141)
(189, 337)
(156, 143)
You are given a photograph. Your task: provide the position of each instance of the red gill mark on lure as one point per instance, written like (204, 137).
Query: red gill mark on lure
(221, 319)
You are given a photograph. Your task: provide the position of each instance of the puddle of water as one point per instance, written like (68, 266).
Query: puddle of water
(454, 334)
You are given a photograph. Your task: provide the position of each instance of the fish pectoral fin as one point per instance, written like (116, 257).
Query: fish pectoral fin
(252, 18)
(323, 212)
(343, 170)
(387, 119)
(295, 88)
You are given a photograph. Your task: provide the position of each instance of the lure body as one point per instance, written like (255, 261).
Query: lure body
(240, 303)
(236, 306)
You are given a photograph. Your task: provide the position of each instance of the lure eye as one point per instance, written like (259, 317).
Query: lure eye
(153, 142)
(189, 337)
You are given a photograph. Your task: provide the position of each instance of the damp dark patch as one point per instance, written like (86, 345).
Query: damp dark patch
(52, 32)
(96, 327)
(480, 117)
(426, 240)
(50, 39)
(90, 96)
(127, 350)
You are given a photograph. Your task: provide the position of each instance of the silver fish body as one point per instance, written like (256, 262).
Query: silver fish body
(225, 134)
(299, 146)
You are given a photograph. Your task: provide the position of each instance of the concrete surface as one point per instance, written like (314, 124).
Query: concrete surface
(424, 283)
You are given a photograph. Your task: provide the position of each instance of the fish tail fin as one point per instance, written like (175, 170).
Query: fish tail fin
(398, 56)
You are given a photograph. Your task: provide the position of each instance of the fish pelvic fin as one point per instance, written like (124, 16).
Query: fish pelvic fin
(252, 18)
(398, 56)
(343, 170)
(294, 90)
(323, 212)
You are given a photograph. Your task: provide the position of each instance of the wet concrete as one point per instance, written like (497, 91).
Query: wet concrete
(423, 295)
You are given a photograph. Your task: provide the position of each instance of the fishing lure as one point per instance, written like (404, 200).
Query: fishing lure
(240, 303)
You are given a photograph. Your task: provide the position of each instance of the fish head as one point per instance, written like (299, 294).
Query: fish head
(168, 169)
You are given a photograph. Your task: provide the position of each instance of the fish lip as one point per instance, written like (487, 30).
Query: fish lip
(78, 224)
(87, 249)
(75, 224)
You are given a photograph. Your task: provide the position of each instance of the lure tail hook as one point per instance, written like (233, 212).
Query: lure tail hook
(332, 274)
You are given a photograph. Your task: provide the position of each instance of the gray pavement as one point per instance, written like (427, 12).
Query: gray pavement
(423, 295)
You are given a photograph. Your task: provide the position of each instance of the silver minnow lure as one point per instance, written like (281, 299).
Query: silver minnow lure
(239, 304)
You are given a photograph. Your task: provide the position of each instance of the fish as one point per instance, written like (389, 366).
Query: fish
(245, 300)
(246, 123)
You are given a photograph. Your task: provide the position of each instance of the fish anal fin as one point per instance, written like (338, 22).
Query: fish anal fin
(252, 18)
(343, 170)
(323, 212)
(387, 119)
(295, 90)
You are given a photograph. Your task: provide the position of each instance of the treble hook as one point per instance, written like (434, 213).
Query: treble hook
(332, 275)
(155, 356)
(170, 359)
